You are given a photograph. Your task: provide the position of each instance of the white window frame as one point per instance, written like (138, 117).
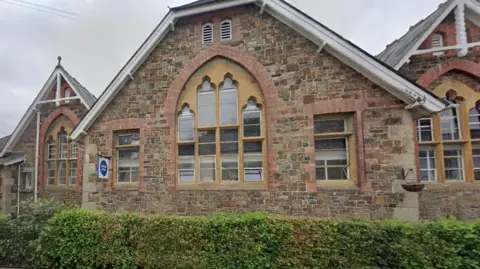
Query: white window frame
(229, 30)
(220, 106)
(131, 169)
(65, 172)
(74, 175)
(27, 184)
(420, 128)
(460, 157)
(54, 169)
(184, 115)
(326, 166)
(256, 110)
(203, 34)
(50, 145)
(470, 123)
(452, 125)
(429, 164)
(192, 157)
(260, 154)
(238, 169)
(214, 109)
(200, 168)
(473, 161)
(73, 150)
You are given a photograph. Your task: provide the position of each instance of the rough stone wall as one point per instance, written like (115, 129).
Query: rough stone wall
(301, 76)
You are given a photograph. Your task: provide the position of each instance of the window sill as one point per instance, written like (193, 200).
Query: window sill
(224, 186)
(428, 143)
(337, 184)
(450, 184)
(126, 185)
(60, 187)
(454, 141)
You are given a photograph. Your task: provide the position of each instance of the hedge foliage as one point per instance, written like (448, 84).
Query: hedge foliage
(81, 239)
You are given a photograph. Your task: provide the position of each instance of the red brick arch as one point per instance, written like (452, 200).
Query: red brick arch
(247, 61)
(460, 64)
(43, 133)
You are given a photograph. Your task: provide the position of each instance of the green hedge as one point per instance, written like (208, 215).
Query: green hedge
(81, 239)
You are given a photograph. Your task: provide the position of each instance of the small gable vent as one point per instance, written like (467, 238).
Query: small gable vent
(437, 41)
(226, 30)
(207, 33)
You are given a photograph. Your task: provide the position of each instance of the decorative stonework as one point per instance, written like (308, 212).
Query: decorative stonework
(451, 64)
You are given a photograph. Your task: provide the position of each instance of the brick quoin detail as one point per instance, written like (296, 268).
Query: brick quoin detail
(452, 64)
(256, 69)
(332, 107)
(43, 132)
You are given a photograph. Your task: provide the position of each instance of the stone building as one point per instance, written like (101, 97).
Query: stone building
(246, 105)
(43, 132)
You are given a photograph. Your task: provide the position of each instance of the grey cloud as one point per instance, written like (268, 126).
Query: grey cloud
(105, 34)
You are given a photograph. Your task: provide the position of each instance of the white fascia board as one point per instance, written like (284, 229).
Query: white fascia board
(150, 44)
(27, 117)
(432, 27)
(65, 77)
(400, 87)
(14, 161)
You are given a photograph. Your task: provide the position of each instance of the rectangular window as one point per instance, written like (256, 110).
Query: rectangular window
(128, 157)
(449, 123)
(476, 162)
(62, 172)
(453, 158)
(253, 165)
(207, 143)
(474, 122)
(427, 164)
(207, 169)
(52, 151)
(206, 109)
(228, 107)
(424, 130)
(330, 126)
(27, 181)
(229, 141)
(185, 128)
(73, 150)
(230, 168)
(186, 163)
(51, 173)
(252, 124)
(63, 148)
(331, 161)
(73, 173)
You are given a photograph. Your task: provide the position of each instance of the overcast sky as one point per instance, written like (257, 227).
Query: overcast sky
(104, 34)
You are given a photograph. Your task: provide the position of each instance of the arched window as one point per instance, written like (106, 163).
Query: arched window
(449, 118)
(228, 102)
(207, 34)
(214, 145)
(61, 160)
(226, 30)
(437, 40)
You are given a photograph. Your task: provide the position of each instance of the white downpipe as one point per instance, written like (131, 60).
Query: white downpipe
(35, 187)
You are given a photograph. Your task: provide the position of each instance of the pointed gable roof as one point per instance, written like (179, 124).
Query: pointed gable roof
(83, 94)
(400, 48)
(325, 38)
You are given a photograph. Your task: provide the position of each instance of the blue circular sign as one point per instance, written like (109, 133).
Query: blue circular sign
(103, 167)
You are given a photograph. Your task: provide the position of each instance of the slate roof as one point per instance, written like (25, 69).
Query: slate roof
(399, 48)
(12, 157)
(3, 141)
(82, 91)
